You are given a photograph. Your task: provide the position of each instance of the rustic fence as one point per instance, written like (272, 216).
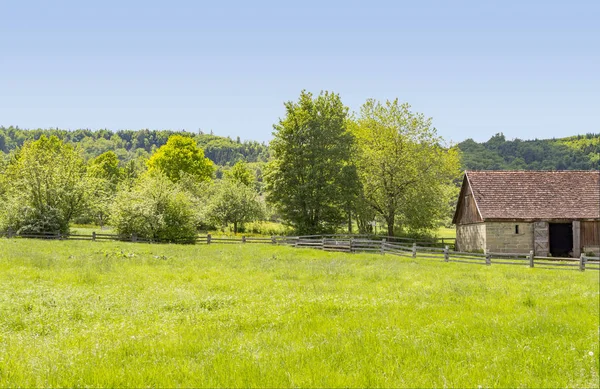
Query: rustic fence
(384, 246)
(358, 243)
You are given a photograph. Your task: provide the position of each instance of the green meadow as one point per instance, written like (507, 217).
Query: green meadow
(104, 314)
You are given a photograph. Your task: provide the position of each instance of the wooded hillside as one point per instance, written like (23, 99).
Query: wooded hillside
(129, 144)
(580, 152)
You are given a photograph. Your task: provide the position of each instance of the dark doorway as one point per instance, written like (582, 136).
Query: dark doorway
(561, 239)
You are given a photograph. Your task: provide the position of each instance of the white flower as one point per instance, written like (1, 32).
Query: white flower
(591, 353)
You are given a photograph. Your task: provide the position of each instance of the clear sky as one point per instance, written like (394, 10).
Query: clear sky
(530, 69)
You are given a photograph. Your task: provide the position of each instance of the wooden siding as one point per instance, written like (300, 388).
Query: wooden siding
(590, 233)
(467, 208)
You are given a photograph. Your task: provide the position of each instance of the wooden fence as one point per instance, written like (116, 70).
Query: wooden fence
(358, 243)
(383, 246)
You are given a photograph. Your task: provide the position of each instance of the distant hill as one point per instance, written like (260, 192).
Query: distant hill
(128, 144)
(580, 152)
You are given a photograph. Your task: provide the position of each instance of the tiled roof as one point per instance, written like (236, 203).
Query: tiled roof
(536, 194)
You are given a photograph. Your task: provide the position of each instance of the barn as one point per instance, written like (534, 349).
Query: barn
(553, 213)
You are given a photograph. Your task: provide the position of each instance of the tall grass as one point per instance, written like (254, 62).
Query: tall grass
(121, 314)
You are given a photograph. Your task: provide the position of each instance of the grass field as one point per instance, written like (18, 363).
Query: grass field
(446, 232)
(121, 314)
(252, 230)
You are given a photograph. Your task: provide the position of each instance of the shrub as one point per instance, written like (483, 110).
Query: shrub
(155, 208)
(44, 187)
(25, 219)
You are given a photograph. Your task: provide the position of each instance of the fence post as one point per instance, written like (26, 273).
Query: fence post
(133, 237)
(244, 239)
(383, 246)
(273, 239)
(58, 235)
(9, 233)
(446, 253)
(414, 250)
(208, 238)
(531, 258)
(582, 262)
(488, 258)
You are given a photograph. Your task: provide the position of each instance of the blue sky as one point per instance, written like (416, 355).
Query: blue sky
(529, 69)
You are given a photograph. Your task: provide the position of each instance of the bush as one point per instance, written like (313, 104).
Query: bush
(44, 187)
(31, 220)
(269, 228)
(155, 209)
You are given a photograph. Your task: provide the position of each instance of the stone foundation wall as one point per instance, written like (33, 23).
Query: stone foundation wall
(501, 237)
(470, 237)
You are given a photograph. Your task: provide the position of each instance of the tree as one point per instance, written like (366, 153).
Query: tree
(403, 166)
(155, 208)
(104, 175)
(47, 187)
(240, 173)
(181, 155)
(234, 202)
(106, 166)
(311, 147)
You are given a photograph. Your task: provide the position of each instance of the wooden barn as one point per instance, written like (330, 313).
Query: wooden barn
(553, 213)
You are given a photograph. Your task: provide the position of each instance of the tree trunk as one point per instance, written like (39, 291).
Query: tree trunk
(234, 228)
(349, 222)
(390, 224)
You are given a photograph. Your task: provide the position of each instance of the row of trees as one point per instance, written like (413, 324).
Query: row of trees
(46, 184)
(328, 169)
(387, 162)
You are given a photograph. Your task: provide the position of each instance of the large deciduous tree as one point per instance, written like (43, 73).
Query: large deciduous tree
(46, 187)
(181, 155)
(403, 165)
(311, 149)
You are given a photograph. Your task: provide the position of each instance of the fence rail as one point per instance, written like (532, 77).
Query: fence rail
(354, 244)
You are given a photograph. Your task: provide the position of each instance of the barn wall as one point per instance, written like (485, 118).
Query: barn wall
(590, 236)
(501, 237)
(467, 211)
(470, 237)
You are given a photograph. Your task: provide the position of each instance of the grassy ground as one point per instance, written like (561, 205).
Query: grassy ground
(122, 314)
(252, 229)
(445, 232)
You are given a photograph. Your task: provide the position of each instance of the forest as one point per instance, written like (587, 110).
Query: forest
(580, 152)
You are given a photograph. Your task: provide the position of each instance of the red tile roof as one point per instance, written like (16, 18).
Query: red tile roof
(536, 194)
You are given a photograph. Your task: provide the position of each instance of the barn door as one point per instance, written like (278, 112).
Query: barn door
(541, 239)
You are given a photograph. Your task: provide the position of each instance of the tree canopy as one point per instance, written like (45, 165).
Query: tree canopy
(47, 187)
(402, 165)
(181, 155)
(240, 173)
(311, 148)
(233, 202)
